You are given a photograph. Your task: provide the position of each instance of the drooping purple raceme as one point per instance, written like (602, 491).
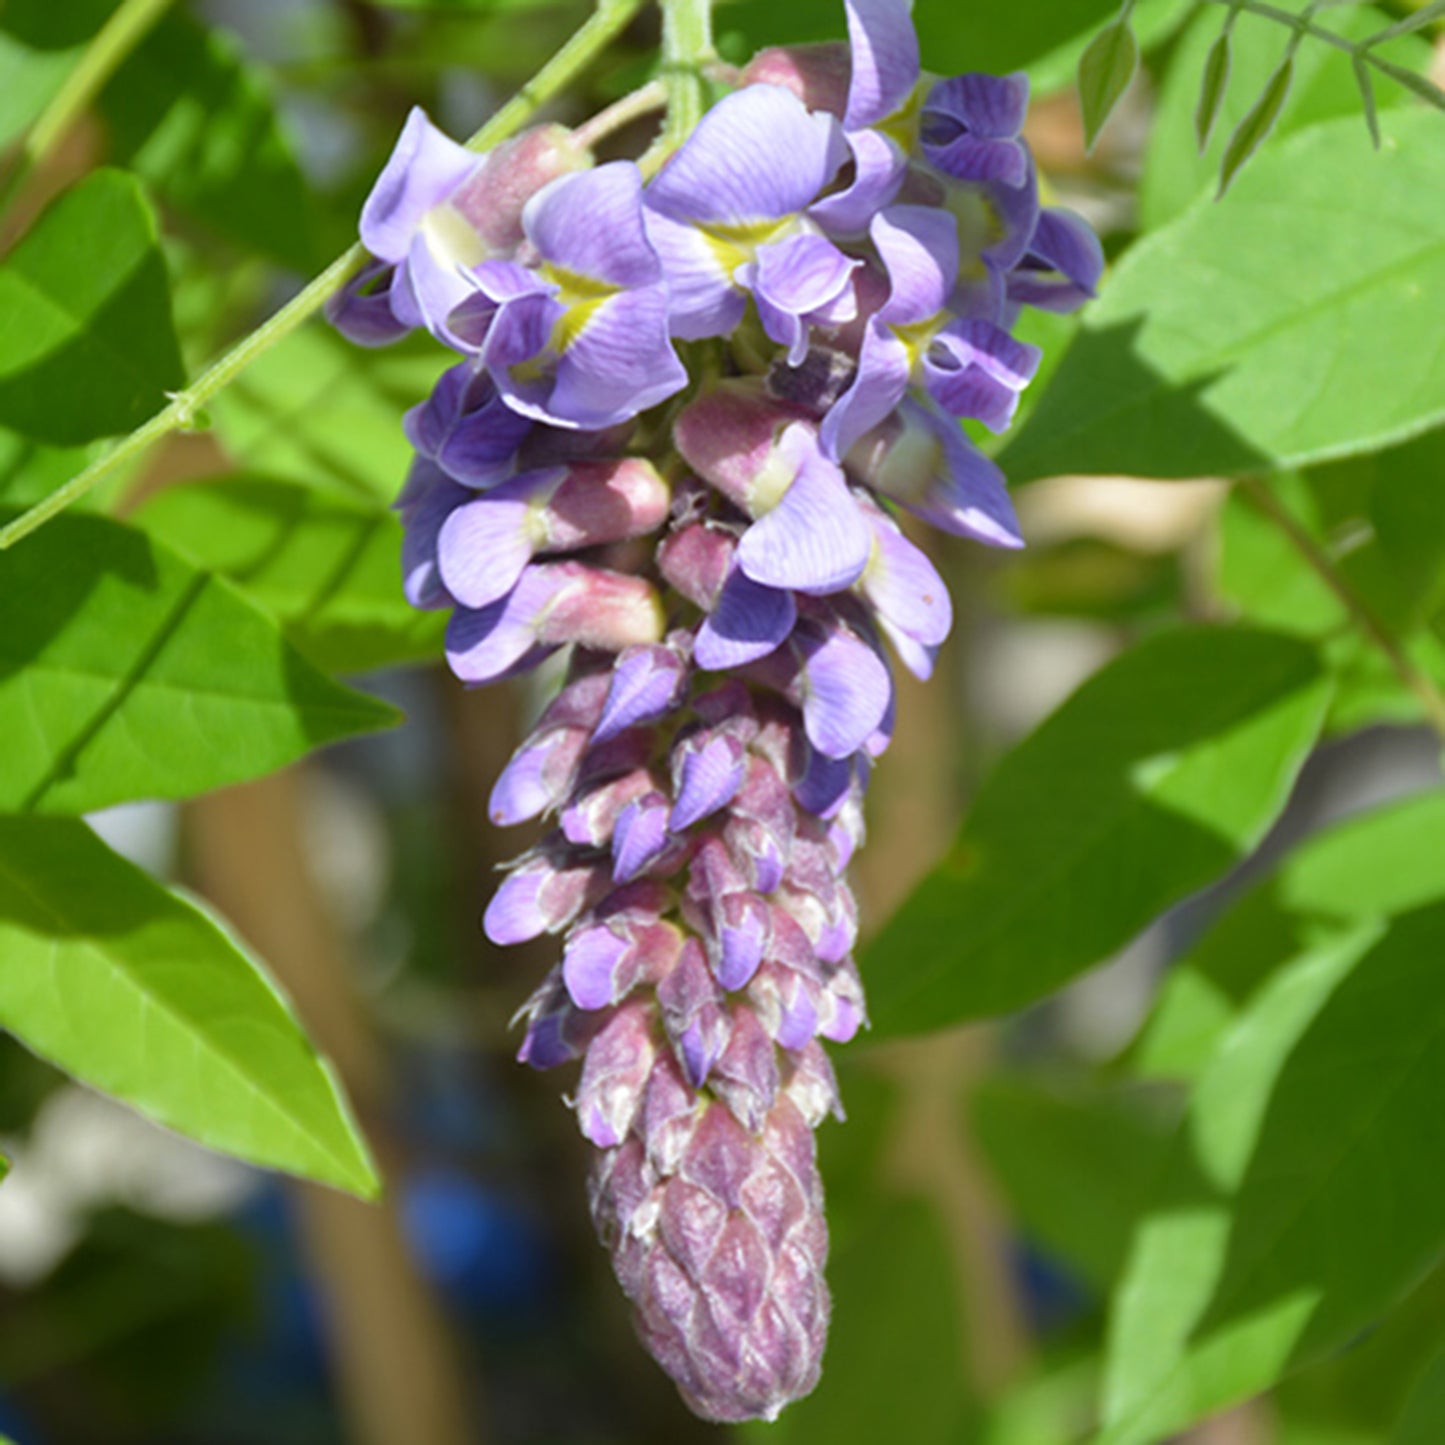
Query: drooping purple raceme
(839, 250)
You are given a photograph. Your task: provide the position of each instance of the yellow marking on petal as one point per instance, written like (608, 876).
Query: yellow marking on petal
(917, 337)
(581, 297)
(573, 322)
(902, 126)
(451, 237)
(733, 245)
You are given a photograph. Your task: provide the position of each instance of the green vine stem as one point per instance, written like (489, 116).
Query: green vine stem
(1361, 50)
(105, 54)
(1429, 696)
(609, 19)
(687, 51)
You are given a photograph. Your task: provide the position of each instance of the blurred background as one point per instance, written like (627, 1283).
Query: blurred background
(981, 1192)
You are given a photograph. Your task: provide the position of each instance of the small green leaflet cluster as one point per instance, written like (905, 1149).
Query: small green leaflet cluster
(1112, 57)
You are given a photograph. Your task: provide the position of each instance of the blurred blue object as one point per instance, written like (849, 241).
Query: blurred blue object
(479, 1247)
(1053, 1295)
(15, 1426)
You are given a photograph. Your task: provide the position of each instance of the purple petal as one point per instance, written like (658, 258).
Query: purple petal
(361, 310)
(423, 170)
(815, 539)
(428, 286)
(647, 683)
(825, 784)
(702, 299)
(515, 914)
(800, 280)
(757, 155)
(977, 369)
(919, 247)
(590, 223)
(904, 586)
(466, 428)
(485, 544)
(426, 502)
(619, 363)
(536, 776)
(846, 692)
(506, 316)
(589, 967)
(953, 485)
(1063, 264)
(969, 159)
(708, 778)
(881, 383)
(639, 837)
(483, 644)
(879, 168)
(1015, 214)
(990, 107)
(742, 934)
(885, 60)
(749, 622)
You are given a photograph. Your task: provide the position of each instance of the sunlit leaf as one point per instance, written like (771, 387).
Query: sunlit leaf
(1153, 779)
(1270, 329)
(139, 993)
(87, 348)
(1300, 1202)
(127, 674)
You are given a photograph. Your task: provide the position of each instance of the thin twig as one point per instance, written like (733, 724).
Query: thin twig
(643, 101)
(609, 19)
(1430, 697)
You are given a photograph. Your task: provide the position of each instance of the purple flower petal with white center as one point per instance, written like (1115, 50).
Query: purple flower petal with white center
(885, 60)
(485, 544)
(815, 539)
(423, 171)
(758, 155)
(804, 280)
(976, 369)
(425, 503)
(708, 772)
(590, 967)
(846, 690)
(647, 683)
(590, 225)
(970, 126)
(639, 837)
(1062, 266)
(429, 285)
(703, 298)
(749, 622)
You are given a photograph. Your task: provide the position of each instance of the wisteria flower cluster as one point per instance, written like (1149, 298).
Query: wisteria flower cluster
(685, 415)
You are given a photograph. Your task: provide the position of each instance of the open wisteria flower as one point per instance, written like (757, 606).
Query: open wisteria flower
(750, 360)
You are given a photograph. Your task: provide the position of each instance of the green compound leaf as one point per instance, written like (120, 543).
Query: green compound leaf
(328, 568)
(1105, 70)
(1301, 1199)
(87, 348)
(1177, 170)
(1292, 321)
(139, 993)
(1157, 776)
(129, 674)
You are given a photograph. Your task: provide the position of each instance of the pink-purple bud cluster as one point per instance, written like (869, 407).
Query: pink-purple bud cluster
(841, 248)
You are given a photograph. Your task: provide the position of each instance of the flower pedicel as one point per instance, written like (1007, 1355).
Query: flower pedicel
(838, 252)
